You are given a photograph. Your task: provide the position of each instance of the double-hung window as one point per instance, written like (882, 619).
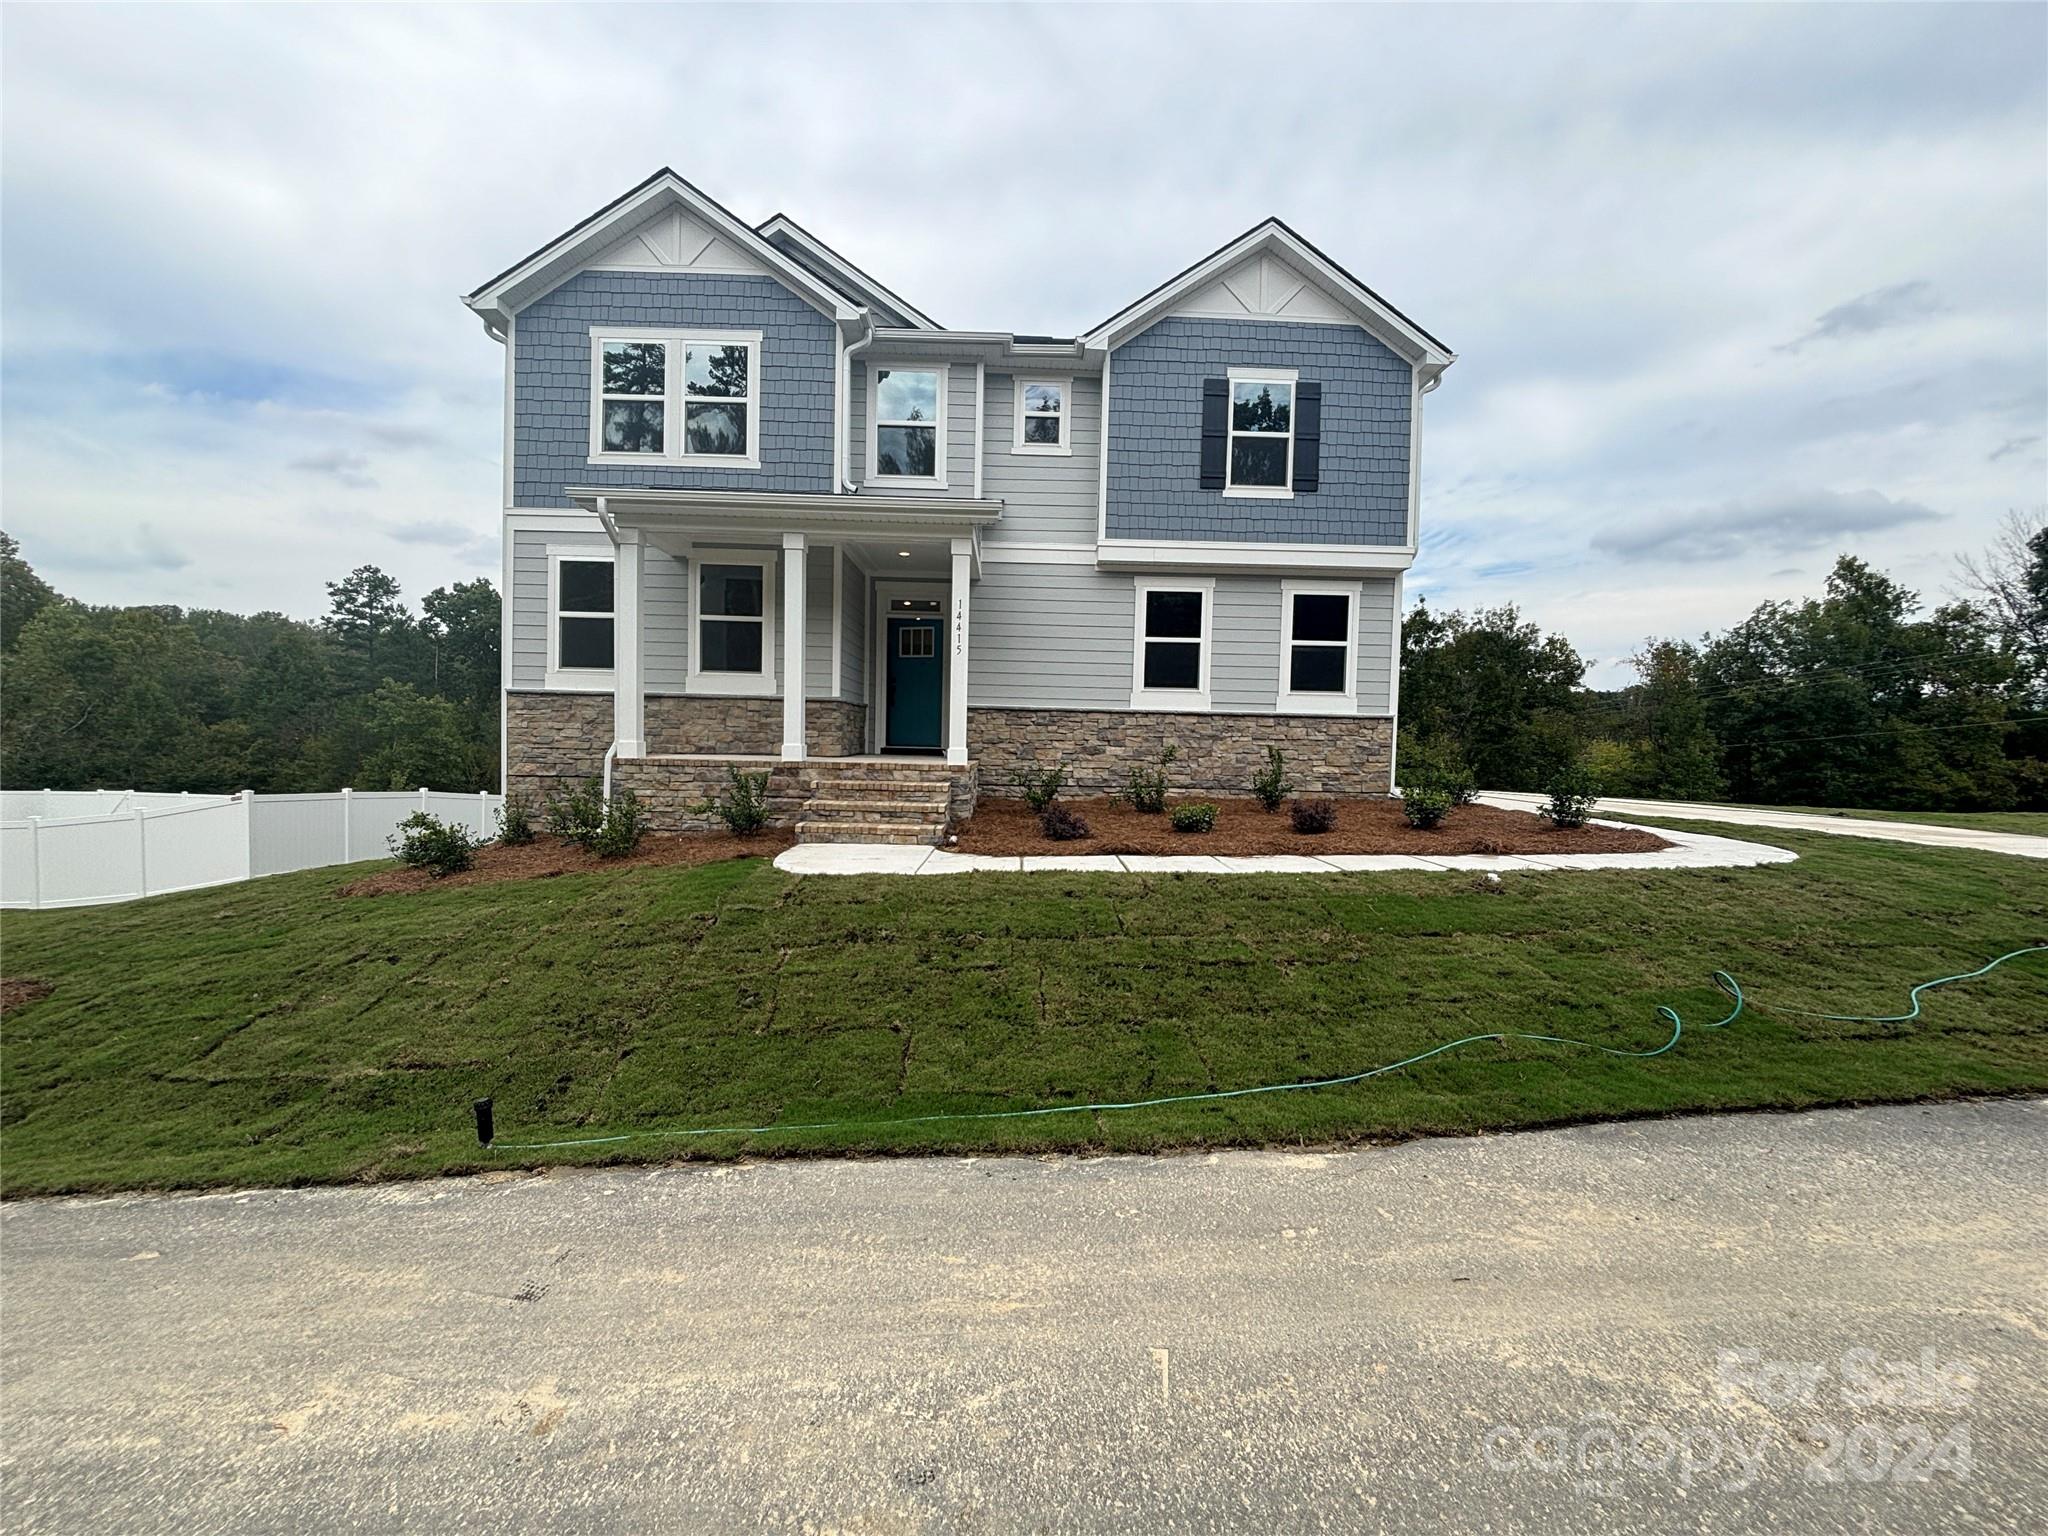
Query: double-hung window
(580, 636)
(1261, 457)
(1044, 417)
(907, 427)
(1318, 648)
(734, 649)
(675, 397)
(1172, 661)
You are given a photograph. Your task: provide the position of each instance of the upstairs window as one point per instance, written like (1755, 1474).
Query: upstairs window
(718, 380)
(1172, 670)
(675, 397)
(908, 438)
(1261, 433)
(1042, 416)
(634, 382)
(580, 619)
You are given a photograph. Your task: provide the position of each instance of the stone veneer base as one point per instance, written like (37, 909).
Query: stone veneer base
(554, 741)
(1214, 753)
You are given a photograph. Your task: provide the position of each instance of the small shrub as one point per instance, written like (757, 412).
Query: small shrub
(1425, 807)
(1573, 793)
(515, 822)
(577, 816)
(1313, 816)
(437, 846)
(1041, 786)
(625, 823)
(1437, 764)
(1145, 785)
(1062, 825)
(744, 808)
(1198, 816)
(1271, 786)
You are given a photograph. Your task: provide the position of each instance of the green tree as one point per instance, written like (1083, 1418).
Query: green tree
(23, 594)
(1497, 687)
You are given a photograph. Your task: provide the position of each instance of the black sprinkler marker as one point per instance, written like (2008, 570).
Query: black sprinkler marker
(483, 1122)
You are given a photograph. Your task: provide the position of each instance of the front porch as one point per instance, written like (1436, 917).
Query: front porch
(890, 674)
(860, 799)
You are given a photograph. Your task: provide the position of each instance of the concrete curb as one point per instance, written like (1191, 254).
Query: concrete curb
(1690, 850)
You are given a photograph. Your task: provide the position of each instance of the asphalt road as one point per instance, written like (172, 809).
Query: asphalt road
(1513, 1333)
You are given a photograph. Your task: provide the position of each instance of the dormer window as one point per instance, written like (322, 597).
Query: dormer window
(645, 384)
(1043, 416)
(907, 431)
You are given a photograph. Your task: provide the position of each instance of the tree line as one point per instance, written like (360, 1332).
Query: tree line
(1860, 697)
(372, 696)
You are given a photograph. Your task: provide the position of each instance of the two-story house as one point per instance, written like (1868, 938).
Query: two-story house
(757, 505)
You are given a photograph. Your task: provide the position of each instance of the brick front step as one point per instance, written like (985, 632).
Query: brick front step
(868, 810)
(867, 832)
(889, 791)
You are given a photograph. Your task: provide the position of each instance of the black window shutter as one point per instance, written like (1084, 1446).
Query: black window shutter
(1215, 431)
(1308, 436)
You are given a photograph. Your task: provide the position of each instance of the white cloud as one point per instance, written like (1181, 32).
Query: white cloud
(235, 238)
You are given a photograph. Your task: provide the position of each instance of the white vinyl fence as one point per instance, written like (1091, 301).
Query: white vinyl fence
(83, 848)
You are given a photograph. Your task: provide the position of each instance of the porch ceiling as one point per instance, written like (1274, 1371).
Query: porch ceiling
(836, 519)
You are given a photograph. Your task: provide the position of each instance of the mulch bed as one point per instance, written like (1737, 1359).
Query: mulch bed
(1245, 827)
(546, 857)
(20, 991)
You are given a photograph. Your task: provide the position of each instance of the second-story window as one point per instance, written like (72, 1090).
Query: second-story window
(1042, 416)
(909, 440)
(676, 397)
(634, 379)
(1261, 433)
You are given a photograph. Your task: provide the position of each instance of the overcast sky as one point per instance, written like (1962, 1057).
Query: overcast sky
(1732, 288)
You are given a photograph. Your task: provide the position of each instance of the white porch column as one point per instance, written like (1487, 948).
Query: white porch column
(795, 557)
(629, 685)
(956, 669)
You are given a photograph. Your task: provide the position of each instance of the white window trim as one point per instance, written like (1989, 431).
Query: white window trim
(733, 685)
(673, 454)
(1182, 700)
(935, 481)
(1064, 448)
(558, 678)
(1291, 377)
(1288, 702)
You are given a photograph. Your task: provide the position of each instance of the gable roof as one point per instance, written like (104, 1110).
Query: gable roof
(1272, 237)
(785, 233)
(498, 298)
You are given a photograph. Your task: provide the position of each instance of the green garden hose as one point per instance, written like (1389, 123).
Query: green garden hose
(1722, 979)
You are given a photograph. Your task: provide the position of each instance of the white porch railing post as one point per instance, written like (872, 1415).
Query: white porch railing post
(956, 668)
(142, 847)
(795, 588)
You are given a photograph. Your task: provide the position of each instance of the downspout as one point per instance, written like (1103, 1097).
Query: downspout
(845, 458)
(611, 528)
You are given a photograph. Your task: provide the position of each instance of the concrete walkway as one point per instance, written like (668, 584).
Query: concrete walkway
(1759, 1323)
(1689, 850)
(2018, 844)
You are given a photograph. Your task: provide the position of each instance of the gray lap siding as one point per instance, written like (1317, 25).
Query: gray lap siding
(551, 383)
(1155, 435)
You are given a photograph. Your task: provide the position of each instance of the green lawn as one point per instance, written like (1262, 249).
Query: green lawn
(274, 1033)
(2029, 823)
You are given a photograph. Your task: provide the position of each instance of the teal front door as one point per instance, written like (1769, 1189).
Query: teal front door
(916, 684)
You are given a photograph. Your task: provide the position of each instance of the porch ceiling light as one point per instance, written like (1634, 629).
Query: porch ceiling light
(902, 554)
